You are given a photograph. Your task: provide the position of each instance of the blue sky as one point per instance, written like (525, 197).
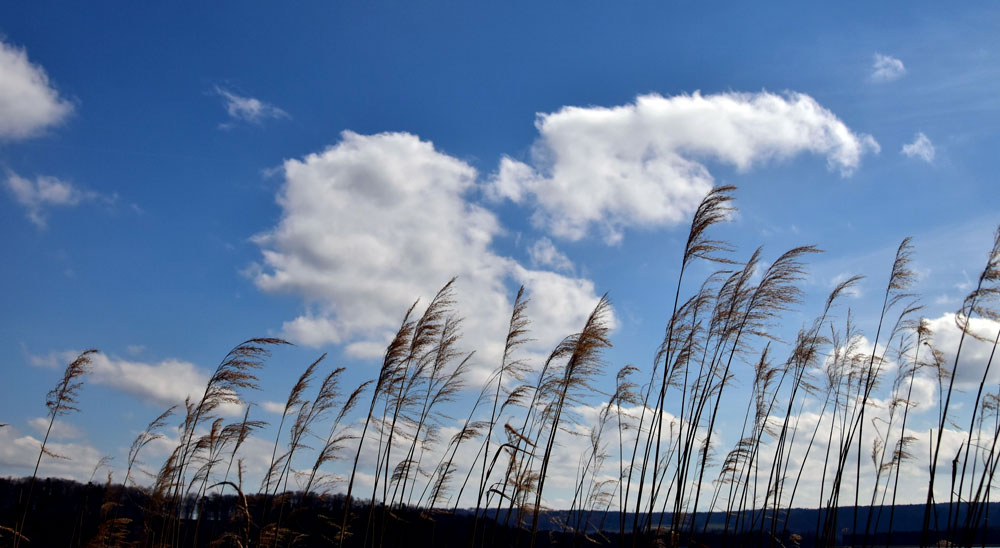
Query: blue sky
(180, 177)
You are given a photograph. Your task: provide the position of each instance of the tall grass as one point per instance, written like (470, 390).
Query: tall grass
(828, 418)
(60, 401)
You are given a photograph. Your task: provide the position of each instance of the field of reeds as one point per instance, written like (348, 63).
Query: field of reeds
(654, 471)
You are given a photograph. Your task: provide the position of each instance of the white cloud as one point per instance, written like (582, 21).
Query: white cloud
(641, 164)
(559, 304)
(42, 193)
(924, 397)
(18, 453)
(544, 253)
(273, 407)
(60, 429)
(164, 383)
(367, 349)
(375, 222)
(921, 148)
(247, 109)
(312, 331)
(28, 103)
(886, 68)
(975, 353)
(913, 476)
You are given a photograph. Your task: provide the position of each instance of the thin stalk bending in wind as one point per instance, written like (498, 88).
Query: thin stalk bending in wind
(395, 353)
(235, 373)
(60, 401)
(776, 292)
(901, 454)
(900, 279)
(713, 209)
(337, 437)
(294, 401)
(402, 399)
(440, 387)
(987, 288)
(583, 353)
(517, 335)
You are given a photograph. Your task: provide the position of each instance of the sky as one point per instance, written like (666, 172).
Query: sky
(179, 177)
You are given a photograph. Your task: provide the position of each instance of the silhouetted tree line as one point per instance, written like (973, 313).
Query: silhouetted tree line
(68, 513)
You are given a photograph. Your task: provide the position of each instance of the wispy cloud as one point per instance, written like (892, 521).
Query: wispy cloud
(28, 103)
(886, 68)
(247, 109)
(43, 193)
(544, 253)
(921, 148)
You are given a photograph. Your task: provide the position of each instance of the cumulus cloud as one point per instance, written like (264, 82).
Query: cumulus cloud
(921, 148)
(28, 103)
(375, 222)
(886, 68)
(39, 195)
(641, 164)
(544, 253)
(975, 352)
(247, 109)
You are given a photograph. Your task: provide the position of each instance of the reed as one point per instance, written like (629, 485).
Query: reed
(235, 373)
(650, 449)
(583, 362)
(60, 401)
(975, 303)
(395, 353)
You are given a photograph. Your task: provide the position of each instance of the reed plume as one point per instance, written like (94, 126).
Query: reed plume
(713, 209)
(337, 436)
(517, 335)
(440, 387)
(293, 401)
(987, 289)
(60, 401)
(394, 356)
(583, 353)
(235, 373)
